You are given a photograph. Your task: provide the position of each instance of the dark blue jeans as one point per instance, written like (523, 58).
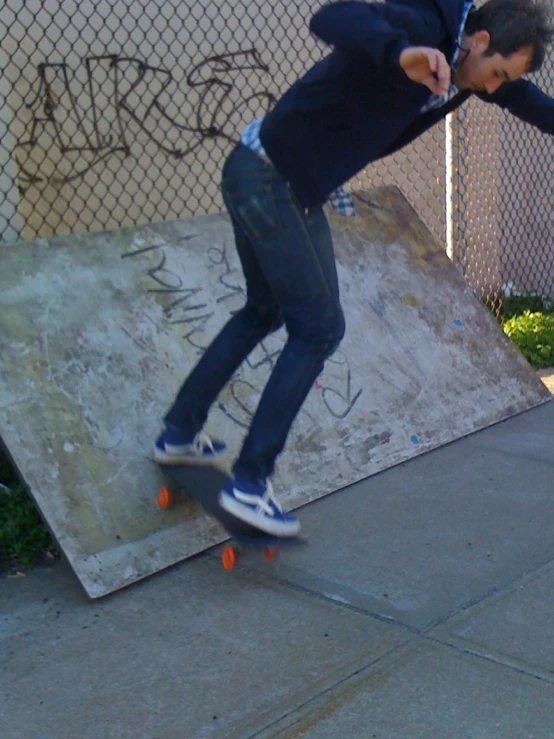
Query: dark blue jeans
(289, 264)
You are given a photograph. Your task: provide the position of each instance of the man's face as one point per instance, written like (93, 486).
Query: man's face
(481, 73)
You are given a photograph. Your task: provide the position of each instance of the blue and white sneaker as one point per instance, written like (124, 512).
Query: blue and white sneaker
(255, 504)
(173, 447)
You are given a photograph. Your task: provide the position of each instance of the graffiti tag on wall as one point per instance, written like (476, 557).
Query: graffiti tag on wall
(188, 309)
(116, 105)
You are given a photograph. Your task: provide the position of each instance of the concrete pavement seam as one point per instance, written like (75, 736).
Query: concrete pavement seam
(347, 684)
(495, 657)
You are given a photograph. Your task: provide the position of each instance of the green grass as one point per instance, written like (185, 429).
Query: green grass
(24, 540)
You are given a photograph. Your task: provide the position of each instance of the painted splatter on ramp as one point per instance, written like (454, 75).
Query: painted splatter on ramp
(98, 332)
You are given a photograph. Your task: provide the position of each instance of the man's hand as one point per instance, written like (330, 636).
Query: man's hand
(428, 67)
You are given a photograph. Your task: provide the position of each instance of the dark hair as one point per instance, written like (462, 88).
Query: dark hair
(514, 25)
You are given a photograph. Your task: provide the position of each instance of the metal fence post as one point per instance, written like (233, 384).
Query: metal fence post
(451, 182)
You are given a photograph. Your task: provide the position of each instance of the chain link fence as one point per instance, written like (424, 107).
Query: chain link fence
(503, 217)
(117, 114)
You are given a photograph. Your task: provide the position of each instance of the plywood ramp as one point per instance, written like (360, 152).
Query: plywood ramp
(98, 332)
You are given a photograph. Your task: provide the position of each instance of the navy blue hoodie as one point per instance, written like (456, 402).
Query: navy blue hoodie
(357, 104)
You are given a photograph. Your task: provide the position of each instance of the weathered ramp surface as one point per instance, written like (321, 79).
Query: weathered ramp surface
(98, 332)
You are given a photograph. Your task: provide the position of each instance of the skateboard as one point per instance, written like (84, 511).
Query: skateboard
(203, 484)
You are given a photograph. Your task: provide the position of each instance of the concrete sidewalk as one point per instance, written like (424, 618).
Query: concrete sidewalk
(424, 607)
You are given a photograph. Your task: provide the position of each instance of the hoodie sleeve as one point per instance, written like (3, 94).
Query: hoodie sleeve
(379, 31)
(524, 100)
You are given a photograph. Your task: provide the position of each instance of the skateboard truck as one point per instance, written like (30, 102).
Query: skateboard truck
(257, 541)
(230, 554)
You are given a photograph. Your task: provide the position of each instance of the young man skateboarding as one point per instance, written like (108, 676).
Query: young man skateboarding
(396, 69)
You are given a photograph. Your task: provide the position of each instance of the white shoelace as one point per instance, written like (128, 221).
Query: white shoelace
(269, 496)
(200, 442)
(266, 502)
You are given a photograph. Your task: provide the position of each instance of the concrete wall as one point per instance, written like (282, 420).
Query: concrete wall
(114, 144)
(125, 143)
(505, 223)
(526, 216)
(140, 152)
(476, 232)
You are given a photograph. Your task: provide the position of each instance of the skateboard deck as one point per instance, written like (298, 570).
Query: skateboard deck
(203, 484)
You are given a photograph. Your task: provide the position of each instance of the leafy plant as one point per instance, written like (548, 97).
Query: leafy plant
(533, 334)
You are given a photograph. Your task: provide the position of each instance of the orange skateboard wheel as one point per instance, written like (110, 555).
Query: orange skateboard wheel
(165, 498)
(271, 554)
(228, 558)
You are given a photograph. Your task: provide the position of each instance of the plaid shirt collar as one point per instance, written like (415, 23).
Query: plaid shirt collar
(437, 101)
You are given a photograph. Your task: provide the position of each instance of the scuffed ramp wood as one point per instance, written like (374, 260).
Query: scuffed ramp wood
(98, 332)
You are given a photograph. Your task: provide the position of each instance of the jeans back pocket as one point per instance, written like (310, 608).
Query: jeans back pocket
(256, 212)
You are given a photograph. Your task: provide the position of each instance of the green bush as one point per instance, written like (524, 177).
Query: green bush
(24, 540)
(533, 334)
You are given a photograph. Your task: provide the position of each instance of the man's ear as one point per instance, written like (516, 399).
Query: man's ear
(480, 41)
